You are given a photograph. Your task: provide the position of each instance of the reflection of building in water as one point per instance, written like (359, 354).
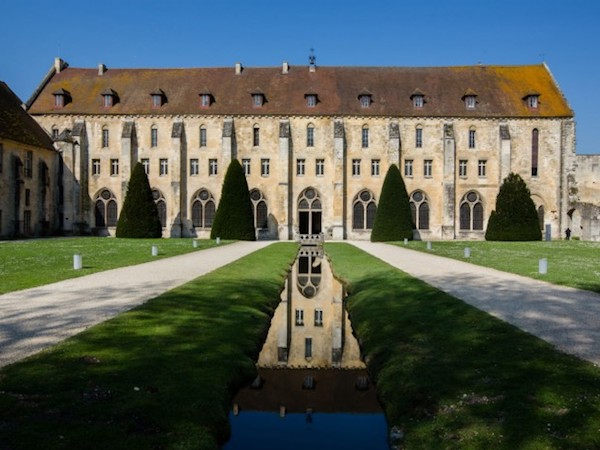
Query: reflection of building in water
(310, 327)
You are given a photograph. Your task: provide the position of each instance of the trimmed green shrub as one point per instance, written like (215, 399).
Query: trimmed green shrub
(393, 220)
(515, 217)
(139, 216)
(234, 218)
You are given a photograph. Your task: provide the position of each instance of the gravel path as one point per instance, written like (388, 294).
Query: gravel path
(565, 317)
(37, 318)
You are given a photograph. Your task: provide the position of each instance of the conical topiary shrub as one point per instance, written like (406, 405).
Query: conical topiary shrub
(139, 215)
(234, 218)
(393, 220)
(515, 217)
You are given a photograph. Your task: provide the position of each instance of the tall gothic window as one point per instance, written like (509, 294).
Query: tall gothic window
(161, 205)
(419, 207)
(203, 209)
(535, 137)
(105, 208)
(261, 212)
(471, 212)
(363, 210)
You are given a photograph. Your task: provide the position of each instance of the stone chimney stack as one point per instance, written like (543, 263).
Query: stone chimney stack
(285, 68)
(101, 69)
(58, 64)
(238, 68)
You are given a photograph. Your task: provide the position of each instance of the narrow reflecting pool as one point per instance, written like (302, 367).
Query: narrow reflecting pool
(312, 389)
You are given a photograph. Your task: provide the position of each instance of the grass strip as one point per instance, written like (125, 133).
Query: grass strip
(570, 263)
(26, 264)
(454, 377)
(160, 376)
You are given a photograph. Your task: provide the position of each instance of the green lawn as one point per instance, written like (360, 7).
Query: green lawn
(453, 377)
(570, 263)
(158, 377)
(25, 264)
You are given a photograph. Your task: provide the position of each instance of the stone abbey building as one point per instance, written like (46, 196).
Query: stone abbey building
(315, 144)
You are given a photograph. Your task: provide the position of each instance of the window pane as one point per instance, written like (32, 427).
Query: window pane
(465, 216)
(358, 216)
(209, 213)
(111, 213)
(197, 214)
(371, 211)
(423, 216)
(100, 214)
(478, 216)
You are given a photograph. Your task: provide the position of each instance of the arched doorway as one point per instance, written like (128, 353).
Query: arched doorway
(309, 212)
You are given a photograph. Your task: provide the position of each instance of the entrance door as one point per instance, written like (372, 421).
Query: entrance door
(309, 212)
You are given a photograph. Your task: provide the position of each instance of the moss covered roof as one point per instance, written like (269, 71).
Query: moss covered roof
(501, 91)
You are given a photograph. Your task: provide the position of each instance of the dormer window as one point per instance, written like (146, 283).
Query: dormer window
(158, 98)
(532, 99)
(311, 99)
(365, 99)
(418, 99)
(61, 98)
(109, 98)
(206, 99)
(258, 98)
(470, 99)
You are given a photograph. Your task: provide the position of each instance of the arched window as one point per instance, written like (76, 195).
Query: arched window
(105, 137)
(259, 206)
(471, 212)
(535, 137)
(310, 135)
(419, 207)
(154, 136)
(309, 212)
(419, 136)
(472, 137)
(202, 136)
(105, 209)
(203, 209)
(161, 205)
(365, 136)
(363, 210)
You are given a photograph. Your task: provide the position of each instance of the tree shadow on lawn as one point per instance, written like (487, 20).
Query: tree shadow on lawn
(169, 367)
(454, 377)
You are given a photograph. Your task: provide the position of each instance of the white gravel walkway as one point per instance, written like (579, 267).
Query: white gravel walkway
(37, 318)
(565, 317)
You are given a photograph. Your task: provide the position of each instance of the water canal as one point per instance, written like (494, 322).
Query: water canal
(312, 389)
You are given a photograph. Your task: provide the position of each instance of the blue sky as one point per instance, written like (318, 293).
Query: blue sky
(185, 33)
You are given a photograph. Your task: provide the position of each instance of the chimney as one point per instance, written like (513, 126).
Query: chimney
(101, 69)
(58, 64)
(238, 68)
(285, 68)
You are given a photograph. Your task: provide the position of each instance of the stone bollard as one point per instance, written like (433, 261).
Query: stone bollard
(77, 262)
(543, 266)
(195, 243)
(428, 245)
(282, 411)
(154, 250)
(467, 252)
(218, 240)
(405, 241)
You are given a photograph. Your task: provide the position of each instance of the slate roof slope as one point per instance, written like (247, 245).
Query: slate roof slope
(16, 124)
(500, 91)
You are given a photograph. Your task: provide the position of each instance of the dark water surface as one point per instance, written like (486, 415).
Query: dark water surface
(312, 390)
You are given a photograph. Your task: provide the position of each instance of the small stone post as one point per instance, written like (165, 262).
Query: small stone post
(77, 262)
(405, 241)
(218, 240)
(467, 252)
(543, 266)
(154, 250)
(428, 245)
(195, 243)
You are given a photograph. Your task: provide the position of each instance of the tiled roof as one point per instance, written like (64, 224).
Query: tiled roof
(500, 91)
(16, 124)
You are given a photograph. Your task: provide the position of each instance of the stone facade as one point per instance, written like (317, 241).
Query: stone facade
(313, 169)
(584, 217)
(29, 194)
